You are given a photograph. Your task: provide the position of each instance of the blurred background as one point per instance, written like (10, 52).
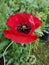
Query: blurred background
(36, 53)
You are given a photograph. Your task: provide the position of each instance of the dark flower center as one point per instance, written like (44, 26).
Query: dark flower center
(24, 28)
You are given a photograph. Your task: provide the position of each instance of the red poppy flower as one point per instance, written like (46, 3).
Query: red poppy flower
(22, 26)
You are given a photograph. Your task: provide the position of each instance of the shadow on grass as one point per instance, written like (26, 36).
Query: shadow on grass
(1, 61)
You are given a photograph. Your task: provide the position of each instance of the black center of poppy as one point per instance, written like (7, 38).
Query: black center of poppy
(24, 28)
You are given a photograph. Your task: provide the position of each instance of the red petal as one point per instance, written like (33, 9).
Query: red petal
(18, 18)
(12, 21)
(20, 38)
(37, 22)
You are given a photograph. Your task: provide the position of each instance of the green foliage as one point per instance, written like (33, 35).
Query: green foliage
(25, 54)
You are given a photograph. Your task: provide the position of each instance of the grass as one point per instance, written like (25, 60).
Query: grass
(36, 53)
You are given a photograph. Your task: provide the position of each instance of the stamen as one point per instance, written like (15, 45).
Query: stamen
(24, 28)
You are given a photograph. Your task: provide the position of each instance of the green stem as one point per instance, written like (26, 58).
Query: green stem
(5, 52)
